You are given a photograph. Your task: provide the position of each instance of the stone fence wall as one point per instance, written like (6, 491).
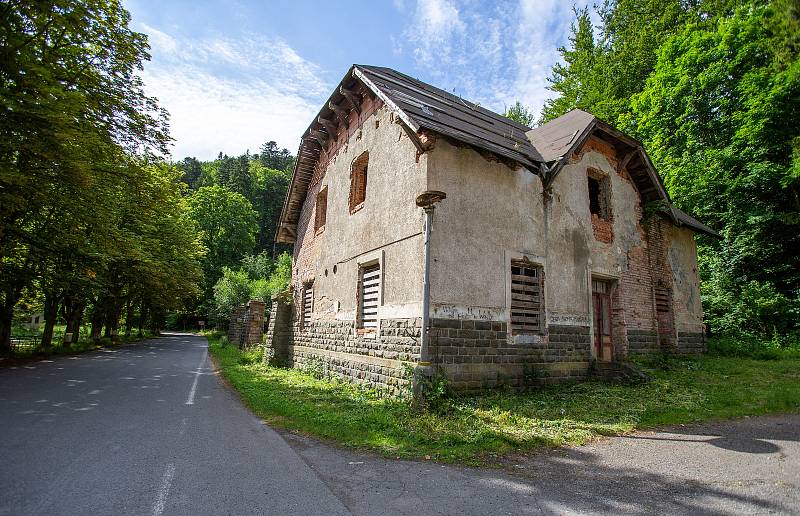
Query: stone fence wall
(247, 324)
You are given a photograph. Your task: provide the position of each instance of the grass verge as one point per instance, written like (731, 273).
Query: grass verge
(475, 429)
(83, 345)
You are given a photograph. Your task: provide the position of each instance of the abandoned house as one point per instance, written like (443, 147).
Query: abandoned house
(550, 250)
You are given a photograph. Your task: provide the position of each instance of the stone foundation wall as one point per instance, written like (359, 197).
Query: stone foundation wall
(476, 355)
(642, 342)
(335, 348)
(691, 342)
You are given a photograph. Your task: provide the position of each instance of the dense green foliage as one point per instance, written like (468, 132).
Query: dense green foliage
(520, 114)
(236, 203)
(712, 89)
(469, 429)
(89, 217)
(258, 277)
(94, 221)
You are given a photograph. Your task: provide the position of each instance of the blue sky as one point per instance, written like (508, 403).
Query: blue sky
(234, 74)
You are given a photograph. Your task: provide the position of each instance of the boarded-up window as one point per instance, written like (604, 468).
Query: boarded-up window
(368, 297)
(664, 319)
(358, 182)
(662, 300)
(526, 298)
(321, 210)
(308, 303)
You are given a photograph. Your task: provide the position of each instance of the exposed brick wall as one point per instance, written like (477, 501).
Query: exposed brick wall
(476, 355)
(602, 229)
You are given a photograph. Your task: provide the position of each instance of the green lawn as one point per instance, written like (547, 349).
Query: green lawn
(474, 429)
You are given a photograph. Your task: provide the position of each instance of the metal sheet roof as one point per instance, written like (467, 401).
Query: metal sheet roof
(437, 110)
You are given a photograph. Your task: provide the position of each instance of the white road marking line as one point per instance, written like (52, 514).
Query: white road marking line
(190, 400)
(163, 490)
(183, 426)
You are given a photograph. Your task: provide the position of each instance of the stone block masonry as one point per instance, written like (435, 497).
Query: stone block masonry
(476, 355)
(246, 324)
(376, 361)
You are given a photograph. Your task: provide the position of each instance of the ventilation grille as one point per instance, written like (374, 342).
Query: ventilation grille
(662, 300)
(526, 298)
(308, 302)
(370, 288)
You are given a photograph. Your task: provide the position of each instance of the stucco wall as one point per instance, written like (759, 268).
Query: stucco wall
(489, 210)
(389, 214)
(682, 256)
(493, 212)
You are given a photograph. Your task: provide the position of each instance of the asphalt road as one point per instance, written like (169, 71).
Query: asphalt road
(149, 429)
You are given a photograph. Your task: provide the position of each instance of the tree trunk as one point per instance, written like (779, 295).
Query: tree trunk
(97, 321)
(73, 314)
(50, 313)
(6, 318)
(9, 299)
(142, 319)
(129, 318)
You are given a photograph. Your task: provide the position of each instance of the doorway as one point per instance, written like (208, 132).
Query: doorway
(601, 304)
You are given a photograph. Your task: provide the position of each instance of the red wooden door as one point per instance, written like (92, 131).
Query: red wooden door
(601, 299)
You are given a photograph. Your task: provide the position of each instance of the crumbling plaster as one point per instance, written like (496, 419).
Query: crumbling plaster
(389, 221)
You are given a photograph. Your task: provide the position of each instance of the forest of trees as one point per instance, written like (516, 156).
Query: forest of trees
(97, 226)
(712, 90)
(236, 203)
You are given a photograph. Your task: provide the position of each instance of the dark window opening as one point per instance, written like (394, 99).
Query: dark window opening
(599, 196)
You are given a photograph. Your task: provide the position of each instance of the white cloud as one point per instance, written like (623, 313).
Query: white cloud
(495, 55)
(230, 95)
(436, 23)
(543, 27)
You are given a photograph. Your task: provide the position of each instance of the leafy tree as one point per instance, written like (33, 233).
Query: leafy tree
(227, 223)
(269, 192)
(256, 278)
(230, 291)
(719, 118)
(520, 114)
(575, 81)
(71, 114)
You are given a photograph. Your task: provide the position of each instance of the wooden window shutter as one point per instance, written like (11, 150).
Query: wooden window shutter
(368, 297)
(321, 211)
(358, 181)
(308, 303)
(526, 298)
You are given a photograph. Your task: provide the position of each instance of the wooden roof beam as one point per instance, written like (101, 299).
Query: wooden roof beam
(625, 160)
(340, 112)
(329, 126)
(321, 137)
(352, 98)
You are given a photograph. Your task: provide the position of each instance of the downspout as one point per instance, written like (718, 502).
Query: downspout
(424, 354)
(426, 201)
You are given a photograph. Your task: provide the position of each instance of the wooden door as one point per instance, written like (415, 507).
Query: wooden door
(601, 300)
